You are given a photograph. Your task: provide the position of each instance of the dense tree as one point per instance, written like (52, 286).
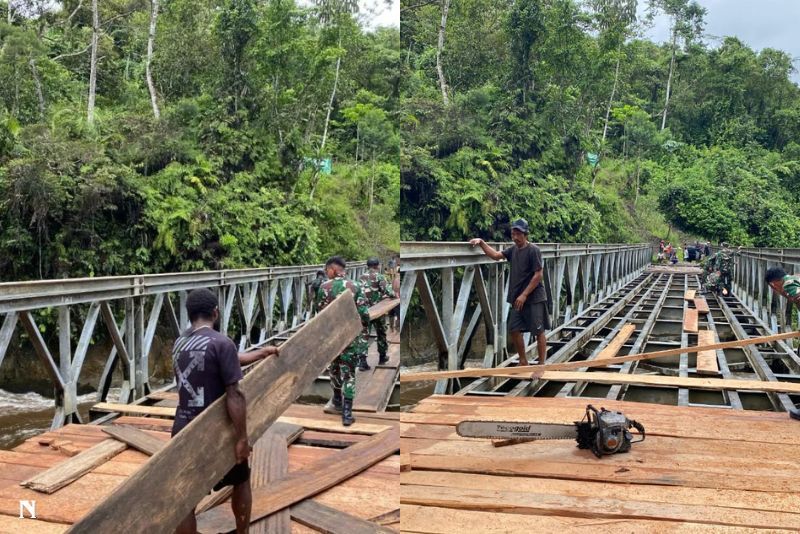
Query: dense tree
(690, 136)
(143, 136)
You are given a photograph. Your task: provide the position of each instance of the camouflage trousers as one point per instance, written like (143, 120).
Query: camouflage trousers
(342, 371)
(712, 282)
(380, 332)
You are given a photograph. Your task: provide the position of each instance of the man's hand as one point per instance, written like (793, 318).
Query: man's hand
(475, 242)
(242, 450)
(270, 351)
(519, 302)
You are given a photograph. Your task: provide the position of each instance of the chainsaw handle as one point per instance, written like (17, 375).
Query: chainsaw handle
(639, 427)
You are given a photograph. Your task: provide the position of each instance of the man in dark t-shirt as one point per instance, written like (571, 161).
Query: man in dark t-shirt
(207, 365)
(526, 292)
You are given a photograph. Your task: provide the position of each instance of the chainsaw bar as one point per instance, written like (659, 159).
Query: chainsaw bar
(516, 429)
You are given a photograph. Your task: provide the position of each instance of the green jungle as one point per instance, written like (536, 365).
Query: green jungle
(144, 136)
(506, 105)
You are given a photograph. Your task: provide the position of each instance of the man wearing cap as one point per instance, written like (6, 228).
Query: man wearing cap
(526, 293)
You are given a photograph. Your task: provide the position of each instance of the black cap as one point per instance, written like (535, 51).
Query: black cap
(521, 225)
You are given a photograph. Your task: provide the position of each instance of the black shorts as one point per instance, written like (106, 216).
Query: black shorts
(238, 474)
(532, 318)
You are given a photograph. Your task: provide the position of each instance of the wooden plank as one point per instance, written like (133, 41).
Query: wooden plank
(113, 407)
(707, 363)
(739, 499)
(528, 369)
(689, 295)
(138, 439)
(382, 308)
(715, 384)
(309, 481)
(70, 450)
(270, 464)
(690, 320)
(613, 347)
(163, 395)
(702, 305)
(62, 474)
(37, 526)
(331, 521)
(605, 507)
(198, 456)
(375, 396)
(58, 443)
(438, 520)
(336, 426)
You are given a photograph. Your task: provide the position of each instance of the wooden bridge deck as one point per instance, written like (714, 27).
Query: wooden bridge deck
(699, 470)
(369, 494)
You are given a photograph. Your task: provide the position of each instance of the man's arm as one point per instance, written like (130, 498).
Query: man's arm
(251, 356)
(519, 302)
(237, 411)
(489, 251)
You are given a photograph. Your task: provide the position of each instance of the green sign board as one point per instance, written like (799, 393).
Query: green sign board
(592, 158)
(325, 165)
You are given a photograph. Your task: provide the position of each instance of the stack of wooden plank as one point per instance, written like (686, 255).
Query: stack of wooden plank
(368, 494)
(699, 470)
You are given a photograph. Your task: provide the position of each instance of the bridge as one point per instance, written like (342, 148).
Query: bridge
(308, 471)
(257, 306)
(710, 416)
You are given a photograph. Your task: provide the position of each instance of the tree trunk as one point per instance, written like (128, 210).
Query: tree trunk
(93, 64)
(638, 172)
(669, 80)
(358, 138)
(150, 43)
(439, 48)
(613, 93)
(38, 85)
(330, 102)
(372, 184)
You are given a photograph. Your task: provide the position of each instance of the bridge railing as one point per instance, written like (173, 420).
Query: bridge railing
(578, 275)
(750, 268)
(254, 305)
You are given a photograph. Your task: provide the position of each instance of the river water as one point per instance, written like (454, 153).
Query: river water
(24, 415)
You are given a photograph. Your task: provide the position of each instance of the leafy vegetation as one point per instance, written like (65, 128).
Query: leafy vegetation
(690, 137)
(203, 153)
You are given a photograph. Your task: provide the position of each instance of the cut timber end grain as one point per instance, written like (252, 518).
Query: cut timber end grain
(689, 295)
(69, 450)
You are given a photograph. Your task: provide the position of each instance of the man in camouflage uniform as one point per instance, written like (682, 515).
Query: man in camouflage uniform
(724, 264)
(788, 286)
(376, 288)
(342, 370)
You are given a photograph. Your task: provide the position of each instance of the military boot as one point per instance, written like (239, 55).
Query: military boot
(383, 359)
(347, 412)
(794, 413)
(362, 363)
(334, 405)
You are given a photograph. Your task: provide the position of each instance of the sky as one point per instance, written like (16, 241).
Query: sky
(758, 23)
(374, 13)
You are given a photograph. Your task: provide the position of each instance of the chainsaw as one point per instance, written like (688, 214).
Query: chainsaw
(604, 432)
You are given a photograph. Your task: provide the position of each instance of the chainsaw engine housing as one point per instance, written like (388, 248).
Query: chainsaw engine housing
(606, 432)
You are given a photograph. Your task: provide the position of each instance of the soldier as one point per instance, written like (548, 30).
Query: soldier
(342, 370)
(376, 288)
(724, 264)
(788, 286)
(313, 287)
